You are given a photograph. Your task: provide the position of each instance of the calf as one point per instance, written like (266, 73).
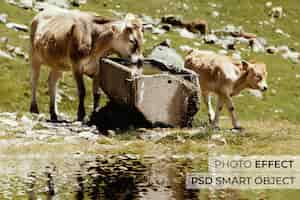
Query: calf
(221, 75)
(73, 40)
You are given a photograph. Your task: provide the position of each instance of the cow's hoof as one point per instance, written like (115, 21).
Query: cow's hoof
(58, 120)
(237, 129)
(55, 119)
(80, 116)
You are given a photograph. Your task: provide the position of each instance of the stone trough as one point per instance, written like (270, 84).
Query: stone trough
(164, 97)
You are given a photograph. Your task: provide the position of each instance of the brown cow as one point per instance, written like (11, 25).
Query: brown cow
(74, 40)
(221, 75)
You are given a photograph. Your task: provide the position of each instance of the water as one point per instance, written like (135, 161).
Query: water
(91, 177)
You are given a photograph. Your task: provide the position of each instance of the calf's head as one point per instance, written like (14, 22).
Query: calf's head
(256, 75)
(128, 38)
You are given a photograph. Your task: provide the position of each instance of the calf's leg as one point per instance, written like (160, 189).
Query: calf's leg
(230, 107)
(54, 76)
(207, 100)
(35, 74)
(78, 76)
(220, 104)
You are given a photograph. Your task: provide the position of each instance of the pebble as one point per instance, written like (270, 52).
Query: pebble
(185, 33)
(3, 18)
(17, 27)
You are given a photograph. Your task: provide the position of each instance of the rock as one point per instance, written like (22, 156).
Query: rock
(111, 133)
(153, 135)
(292, 55)
(213, 5)
(172, 19)
(166, 27)
(59, 3)
(232, 29)
(258, 44)
(19, 52)
(166, 43)
(12, 2)
(149, 20)
(158, 31)
(269, 4)
(78, 2)
(197, 25)
(279, 31)
(219, 139)
(197, 44)
(168, 56)
(222, 52)
(4, 40)
(4, 54)
(245, 35)
(276, 12)
(185, 48)
(3, 18)
(88, 135)
(227, 42)
(215, 14)
(26, 4)
(271, 49)
(211, 39)
(17, 27)
(256, 93)
(185, 33)
(283, 49)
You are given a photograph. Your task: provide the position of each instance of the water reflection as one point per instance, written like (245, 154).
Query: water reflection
(113, 178)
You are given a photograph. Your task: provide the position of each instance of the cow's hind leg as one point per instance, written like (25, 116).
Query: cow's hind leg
(35, 74)
(78, 76)
(54, 76)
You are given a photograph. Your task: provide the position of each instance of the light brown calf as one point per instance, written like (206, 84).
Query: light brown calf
(73, 40)
(221, 75)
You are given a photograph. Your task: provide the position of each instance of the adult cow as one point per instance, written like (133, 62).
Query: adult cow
(74, 40)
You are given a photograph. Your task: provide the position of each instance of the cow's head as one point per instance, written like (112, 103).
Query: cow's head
(128, 38)
(256, 75)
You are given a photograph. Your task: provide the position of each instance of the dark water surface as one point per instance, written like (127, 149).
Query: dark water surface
(91, 177)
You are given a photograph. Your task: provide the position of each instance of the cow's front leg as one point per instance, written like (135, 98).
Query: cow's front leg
(96, 91)
(35, 74)
(54, 76)
(78, 76)
(230, 107)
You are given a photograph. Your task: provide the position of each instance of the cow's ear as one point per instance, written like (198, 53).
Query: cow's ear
(117, 28)
(245, 65)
